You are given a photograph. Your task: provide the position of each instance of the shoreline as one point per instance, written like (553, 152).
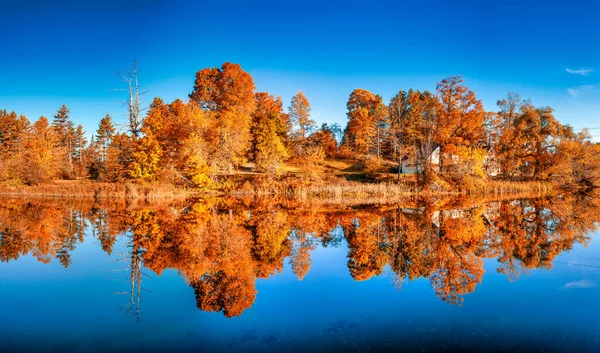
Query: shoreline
(334, 191)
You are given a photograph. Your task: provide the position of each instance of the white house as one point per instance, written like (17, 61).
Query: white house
(411, 168)
(490, 164)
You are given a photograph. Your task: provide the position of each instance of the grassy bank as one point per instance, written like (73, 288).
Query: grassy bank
(96, 190)
(339, 189)
(295, 187)
(503, 187)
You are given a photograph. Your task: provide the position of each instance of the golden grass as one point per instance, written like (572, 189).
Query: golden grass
(330, 189)
(338, 164)
(385, 192)
(503, 187)
(338, 190)
(96, 190)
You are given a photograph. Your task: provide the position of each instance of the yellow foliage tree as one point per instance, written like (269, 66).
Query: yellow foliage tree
(145, 158)
(268, 134)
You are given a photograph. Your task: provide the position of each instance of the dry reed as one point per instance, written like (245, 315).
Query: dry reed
(340, 191)
(334, 190)
(87, 189)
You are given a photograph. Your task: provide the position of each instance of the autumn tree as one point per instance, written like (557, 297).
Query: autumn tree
(530, 141)
(492, 133)
(42, 154)
(508, 144)
(575, 164)
(461, 117)
(145, 158)
(268, 133)
(299, 113)
(13, 134)
(428, 110)
(80, 160)
(65, 133)
(194, 153)
(366, 119)
(101, 145)
(538, 134)
(227, 95)
(413, 125)
(104, 135)
(13, 128)
(119, 158)
(181, 131)
(63, 126)
(325, 139)
(166, 126)
(402, 132)
(197, 165)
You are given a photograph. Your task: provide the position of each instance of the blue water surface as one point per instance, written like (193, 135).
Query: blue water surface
(46, 307)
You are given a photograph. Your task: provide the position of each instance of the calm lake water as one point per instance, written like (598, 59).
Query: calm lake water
(226, 275)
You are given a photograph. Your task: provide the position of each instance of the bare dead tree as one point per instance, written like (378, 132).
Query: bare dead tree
(135, 276)
(130, 76)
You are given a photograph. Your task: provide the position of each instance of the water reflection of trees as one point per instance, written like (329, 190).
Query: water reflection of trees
(221, 249)
(44, 232)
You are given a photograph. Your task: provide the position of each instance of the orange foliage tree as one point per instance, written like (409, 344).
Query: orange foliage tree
(227, 95)
(366, 116)
(181, 131)
(461, 118)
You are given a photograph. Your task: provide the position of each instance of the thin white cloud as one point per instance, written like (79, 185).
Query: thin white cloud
(581, 71)
(584, 283)
(580, 90)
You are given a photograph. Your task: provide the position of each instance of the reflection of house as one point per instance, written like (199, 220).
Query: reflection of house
(437, 216)
(409, 210)
(492, 211)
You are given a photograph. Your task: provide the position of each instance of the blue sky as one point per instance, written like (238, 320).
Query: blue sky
(67, 52)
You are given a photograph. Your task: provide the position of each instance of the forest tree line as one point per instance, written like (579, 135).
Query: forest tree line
(226, 123)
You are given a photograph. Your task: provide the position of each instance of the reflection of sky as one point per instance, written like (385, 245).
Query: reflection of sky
(49, 307)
